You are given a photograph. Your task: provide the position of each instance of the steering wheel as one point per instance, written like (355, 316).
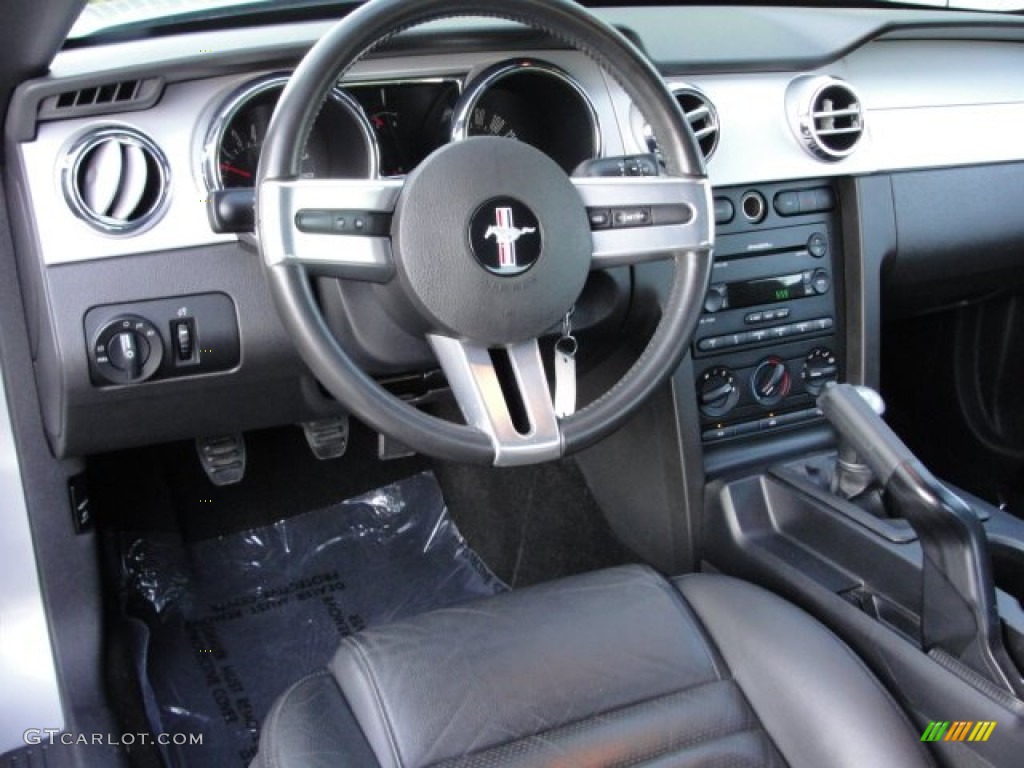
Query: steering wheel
(483, 248)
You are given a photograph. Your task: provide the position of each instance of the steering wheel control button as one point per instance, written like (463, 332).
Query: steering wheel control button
(600, 218)
(329, 222)
(631, 217)
(128, 350)
(505, 236)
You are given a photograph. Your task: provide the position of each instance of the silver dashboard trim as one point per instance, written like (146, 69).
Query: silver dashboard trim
(29, 692)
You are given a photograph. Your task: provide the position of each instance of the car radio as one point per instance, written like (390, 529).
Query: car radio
(767, 342)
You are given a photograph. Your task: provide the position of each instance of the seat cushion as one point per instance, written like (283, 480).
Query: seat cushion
(613, 668)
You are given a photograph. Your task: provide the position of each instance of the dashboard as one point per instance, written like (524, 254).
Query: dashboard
(113, 166)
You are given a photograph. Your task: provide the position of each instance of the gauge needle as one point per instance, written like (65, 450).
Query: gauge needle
(237, 171)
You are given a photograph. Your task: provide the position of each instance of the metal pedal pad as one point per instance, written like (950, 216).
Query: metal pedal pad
(327, 438)
(222, 458)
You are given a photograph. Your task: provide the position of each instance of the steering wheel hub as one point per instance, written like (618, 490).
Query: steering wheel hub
(491, 241)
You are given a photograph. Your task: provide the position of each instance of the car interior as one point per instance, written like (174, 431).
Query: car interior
(436, 383)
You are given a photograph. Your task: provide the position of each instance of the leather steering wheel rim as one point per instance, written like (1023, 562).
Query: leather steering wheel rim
(288, 278)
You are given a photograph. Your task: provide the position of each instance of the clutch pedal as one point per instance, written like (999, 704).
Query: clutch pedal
(222, 458)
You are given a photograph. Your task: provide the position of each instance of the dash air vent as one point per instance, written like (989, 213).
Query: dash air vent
(116, 180)
(105, 97)
(702, 117)
(826, 116)
(700, 114)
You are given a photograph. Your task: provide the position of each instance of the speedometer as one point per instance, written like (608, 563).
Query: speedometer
(341, 144)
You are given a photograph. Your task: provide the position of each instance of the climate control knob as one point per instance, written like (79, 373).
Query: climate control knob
(820, 367)
(770, 381)
(127, 350)
(716, 391)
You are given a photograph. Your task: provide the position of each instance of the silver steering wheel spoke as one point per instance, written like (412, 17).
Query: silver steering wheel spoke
(650, 218)
(333, 227)
(474, 380)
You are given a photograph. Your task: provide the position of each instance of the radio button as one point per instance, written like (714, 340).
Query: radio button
(824, 199)
(808, 200)
(724, 210)
(817, 245)
(752, 318)
(782, 314)
(715, 300)
(787, 204)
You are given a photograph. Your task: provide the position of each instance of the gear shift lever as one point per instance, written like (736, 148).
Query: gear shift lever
(852, 476)
(959, 619)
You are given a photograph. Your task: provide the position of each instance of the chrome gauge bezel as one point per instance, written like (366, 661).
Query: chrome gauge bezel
(251, 89)
(494, 74)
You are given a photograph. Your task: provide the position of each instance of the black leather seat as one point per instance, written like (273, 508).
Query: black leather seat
(614, 668)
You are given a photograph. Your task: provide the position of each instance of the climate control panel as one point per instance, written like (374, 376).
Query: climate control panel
(769, 339)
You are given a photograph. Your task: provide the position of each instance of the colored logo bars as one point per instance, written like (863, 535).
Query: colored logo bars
(958, 730)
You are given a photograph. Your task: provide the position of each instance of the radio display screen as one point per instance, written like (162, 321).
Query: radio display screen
(768, 290)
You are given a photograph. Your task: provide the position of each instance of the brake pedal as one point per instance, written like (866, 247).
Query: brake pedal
(327, 438)
(222, 458)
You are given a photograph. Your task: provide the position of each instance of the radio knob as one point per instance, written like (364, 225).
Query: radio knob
(770, 382)
(820, 281)
(820, 367)
(715, 300)
(717, 392)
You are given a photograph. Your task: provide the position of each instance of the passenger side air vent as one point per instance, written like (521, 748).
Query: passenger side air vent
(116, 180)
(702, 117)
(96, 99)
(700, 114)
(826, 116)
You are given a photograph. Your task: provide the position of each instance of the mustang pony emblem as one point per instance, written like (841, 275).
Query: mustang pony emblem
(505, 234)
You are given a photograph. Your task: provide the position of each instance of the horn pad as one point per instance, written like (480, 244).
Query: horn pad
(491, 241)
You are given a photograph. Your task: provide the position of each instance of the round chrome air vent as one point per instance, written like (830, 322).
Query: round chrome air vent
(116, 180)
(826, 116)
(700, 114)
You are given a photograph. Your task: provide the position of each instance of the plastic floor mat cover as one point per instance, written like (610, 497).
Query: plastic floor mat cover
(221, 627)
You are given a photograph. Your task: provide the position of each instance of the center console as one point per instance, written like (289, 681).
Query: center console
(769, 337)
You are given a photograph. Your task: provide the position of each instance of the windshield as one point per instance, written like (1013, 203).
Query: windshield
(101, 16)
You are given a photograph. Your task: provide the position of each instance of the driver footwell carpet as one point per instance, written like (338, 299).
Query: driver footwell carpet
(221, 627)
